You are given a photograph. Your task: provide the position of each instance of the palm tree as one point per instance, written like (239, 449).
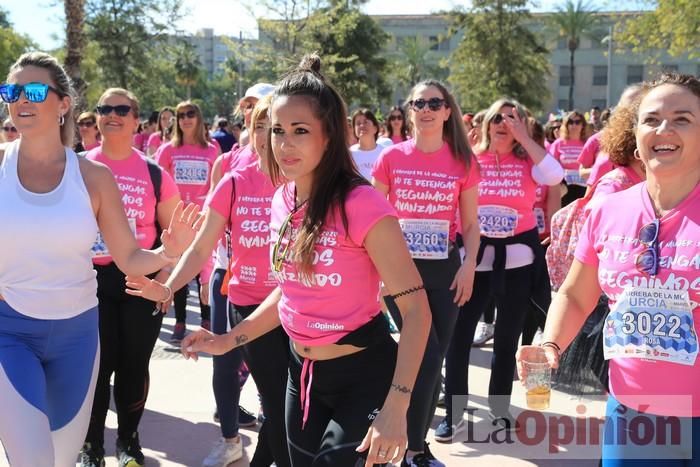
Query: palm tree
(572, 22)
(75, 46)
(187, 67)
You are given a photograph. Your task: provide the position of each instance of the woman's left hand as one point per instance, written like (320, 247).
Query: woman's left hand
(184, 224)
(463, 283)
(516, 125)
(386, 439)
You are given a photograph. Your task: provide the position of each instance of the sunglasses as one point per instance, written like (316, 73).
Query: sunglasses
(86, 124)
(120, 110)
(281, 248)
(189, 114)
(9, 129)
(575, 122)
(499, 118)
(434, 104)
(397, 117)
(648, 260)
(34, 92)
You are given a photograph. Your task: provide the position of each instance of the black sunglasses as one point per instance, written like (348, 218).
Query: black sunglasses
(120, 110)
(189, 114)
(9, 129)
(396, 117)
(575, 122)
(648, 260)
(86, 124)
(434, 104)
(499, 118)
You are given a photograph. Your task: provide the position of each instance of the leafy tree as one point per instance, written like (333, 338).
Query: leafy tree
(572, 22)
(673, 26)
(498, 56)
(187, 66)
(12, 44)
(413, 63)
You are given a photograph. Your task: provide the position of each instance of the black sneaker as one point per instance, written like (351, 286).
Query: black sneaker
(245, 418)
(432, 461)
(129, 452)
(419, 460)
(92, 457)
(505, 421)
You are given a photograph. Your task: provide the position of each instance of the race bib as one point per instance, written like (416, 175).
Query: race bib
(497, 221)
(541, 225)
(99, 248)
(191, 172)
(653, 324)
(426, 238)
(572, 177)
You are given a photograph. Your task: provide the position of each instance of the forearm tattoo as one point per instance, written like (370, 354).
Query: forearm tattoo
(241, 339)
(402, 389)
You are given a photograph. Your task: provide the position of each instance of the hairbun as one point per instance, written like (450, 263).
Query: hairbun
(310, 62)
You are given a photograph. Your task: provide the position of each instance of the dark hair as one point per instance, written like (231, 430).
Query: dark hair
(336, 174)
(369, 115)
(536, 130)
(61, 82)
(453, 129)
(549, 128)
(404, 123)
(153, 118)
(165, 133)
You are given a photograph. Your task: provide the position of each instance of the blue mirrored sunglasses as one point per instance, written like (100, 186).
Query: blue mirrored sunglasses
(34, 92)
(648, 260)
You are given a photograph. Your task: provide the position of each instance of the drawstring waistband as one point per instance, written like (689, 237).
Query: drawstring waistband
(307, 368)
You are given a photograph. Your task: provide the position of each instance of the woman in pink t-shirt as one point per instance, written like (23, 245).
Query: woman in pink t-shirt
(128, 329)
(566, 149)
(188, 158)
(431, 181)
(397, 129)
(644, 257)
(333, 239)
(166, 122)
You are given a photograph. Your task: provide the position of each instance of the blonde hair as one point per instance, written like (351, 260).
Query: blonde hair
(564, 128)
(491, 113)
(199, 132)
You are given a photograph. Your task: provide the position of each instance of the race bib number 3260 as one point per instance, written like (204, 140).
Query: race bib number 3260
(426, 238)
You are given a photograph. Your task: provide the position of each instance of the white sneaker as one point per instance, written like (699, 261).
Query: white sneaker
(483, 334)
(223, 453)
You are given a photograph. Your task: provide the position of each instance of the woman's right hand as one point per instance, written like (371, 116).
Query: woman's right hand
(142, 286)
(203, 341)
(528, 353)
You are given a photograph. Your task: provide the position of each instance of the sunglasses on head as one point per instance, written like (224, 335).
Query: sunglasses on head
(575, 122)
(396, 117)
(189, 114)
(648, 260)
(120, 110)
(9, 129)
(86, 124)
(34, 92)
(434, 104)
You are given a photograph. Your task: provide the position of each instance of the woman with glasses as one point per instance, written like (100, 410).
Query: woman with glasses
(644, 258)
(51, 206)
(397, 129)
(9, 131)
(431, 180)
(188, 158)
(366, 151)
(128, 327)
(89, 134)
(566, 149)
(510, 260)
(166, 123)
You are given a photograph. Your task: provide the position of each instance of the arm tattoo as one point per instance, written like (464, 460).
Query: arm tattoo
(400, 388)
(240, 340)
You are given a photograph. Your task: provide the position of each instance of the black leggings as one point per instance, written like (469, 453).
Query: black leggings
(512, 308)
(128, 333)
(180, 303)
(346, 394)
(437, 276)
(267, 358)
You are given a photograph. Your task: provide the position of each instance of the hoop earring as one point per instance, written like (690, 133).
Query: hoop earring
(636, 155)
(61, 120)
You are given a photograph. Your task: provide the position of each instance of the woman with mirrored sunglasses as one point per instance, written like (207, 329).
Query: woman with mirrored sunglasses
(52, 204)
(641, 248)
(431, 180)
(89, 133)
(573, 134)
(189, 158)
(166, 123)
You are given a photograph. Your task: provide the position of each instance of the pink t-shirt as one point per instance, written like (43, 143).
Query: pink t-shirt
(425, 186)
(506, 195)
(190, 166)
(396, 139)
(601, 166)
(567, 153)
(141, 141)
(154, 141)
(609, 241)
(251, 279)
(138, 197)
(345, 295)
(540, 209)
(590, 151)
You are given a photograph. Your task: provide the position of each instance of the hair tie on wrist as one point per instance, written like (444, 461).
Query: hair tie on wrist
(551, 344)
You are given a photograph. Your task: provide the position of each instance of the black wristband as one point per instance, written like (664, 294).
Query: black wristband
(408, 291)
(552, 344)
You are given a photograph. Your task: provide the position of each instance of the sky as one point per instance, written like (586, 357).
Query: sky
(42, 20)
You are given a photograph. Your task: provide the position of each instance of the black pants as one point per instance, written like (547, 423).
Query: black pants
(180, 304)
(267, 358)
(512, 308)
(437, 276)
(128, 333)
(573, 193)
(346, 394)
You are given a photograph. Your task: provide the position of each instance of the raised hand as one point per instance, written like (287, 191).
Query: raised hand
(516, 125)
(184, 224)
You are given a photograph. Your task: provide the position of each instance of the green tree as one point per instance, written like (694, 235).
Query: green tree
(188, 67)
(672, 26)
(572, 22)
(498, 56)
(12, 44)
(413, 63)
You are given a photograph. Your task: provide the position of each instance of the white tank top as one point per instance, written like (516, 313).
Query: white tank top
(45, 239)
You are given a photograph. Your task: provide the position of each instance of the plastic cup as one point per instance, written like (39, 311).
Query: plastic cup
(538, 381)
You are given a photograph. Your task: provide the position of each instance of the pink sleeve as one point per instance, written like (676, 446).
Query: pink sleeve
(168, 188)
(380, 171)
(220, 199)
(162, 157)
(365, 207)
(585, 248)
(554, 149)
(154, 140)
(216, 145)
(601, 167)
(473, 177)
(589, 152)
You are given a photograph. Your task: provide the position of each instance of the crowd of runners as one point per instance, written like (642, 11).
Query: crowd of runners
(343, 262)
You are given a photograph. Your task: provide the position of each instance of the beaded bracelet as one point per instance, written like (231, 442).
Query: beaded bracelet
(408, 291)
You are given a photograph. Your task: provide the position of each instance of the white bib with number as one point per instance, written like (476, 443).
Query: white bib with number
(572, 177)
(426, 238)
(653, 324)
(99, 248)
(497, 221)
(191, 172)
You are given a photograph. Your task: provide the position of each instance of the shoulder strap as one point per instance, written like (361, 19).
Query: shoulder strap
(156, 178)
